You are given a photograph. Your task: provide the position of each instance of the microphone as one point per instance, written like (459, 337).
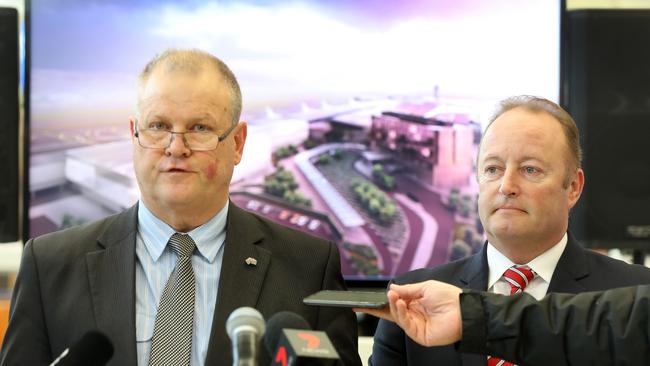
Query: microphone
(93, 349)
(279, 321)
(291, 342)
(245, 326)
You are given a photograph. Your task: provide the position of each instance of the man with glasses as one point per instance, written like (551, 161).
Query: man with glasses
(161, 278)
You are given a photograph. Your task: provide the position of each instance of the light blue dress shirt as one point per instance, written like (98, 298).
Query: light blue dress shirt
(155, 263)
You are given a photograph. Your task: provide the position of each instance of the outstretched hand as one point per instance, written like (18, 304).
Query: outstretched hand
(428, 312)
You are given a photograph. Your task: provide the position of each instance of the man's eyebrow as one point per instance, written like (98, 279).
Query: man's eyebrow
(204, 117)
(148, 118)
(155, 116)
(491, 157)
(533, 158)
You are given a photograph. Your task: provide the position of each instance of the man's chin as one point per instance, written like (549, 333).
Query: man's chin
(509, 229)
(178, 197)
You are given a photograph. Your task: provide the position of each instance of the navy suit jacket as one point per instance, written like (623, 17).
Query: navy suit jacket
(578, 270)
(83, 278)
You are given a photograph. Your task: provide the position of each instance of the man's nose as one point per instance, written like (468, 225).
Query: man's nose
(177, 146)
(509, 183)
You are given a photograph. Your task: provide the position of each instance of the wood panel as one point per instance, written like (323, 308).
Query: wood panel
(4, 318)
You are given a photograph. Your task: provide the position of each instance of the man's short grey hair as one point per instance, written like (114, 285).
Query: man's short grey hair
(536, 105)
(194, 61)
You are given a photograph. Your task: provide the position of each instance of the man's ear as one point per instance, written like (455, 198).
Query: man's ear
(240, 132)
(132, 122)
(574, 190)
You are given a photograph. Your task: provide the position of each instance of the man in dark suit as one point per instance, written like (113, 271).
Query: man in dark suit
(529, 176)
(118, 274)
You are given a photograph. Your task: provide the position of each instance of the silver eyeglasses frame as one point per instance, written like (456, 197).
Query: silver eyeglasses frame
(219, 138)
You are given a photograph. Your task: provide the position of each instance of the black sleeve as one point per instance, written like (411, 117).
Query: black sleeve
(340, 324)
(26, 341)
(592, 328)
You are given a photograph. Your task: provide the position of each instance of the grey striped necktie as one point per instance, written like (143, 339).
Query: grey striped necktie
(172, 332)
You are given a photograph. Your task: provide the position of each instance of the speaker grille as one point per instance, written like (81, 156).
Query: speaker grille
(9, 125)
(608, 75)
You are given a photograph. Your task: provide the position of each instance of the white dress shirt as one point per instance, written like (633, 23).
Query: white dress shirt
(544, 265)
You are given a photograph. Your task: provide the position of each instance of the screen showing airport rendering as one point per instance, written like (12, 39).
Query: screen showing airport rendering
(364, 116)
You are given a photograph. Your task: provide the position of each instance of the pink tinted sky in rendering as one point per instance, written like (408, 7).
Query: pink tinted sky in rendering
(85, 53)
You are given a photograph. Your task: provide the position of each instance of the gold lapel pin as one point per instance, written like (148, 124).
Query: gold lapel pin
(251, 261)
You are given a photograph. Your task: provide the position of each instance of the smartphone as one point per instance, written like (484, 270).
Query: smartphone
(350, 299)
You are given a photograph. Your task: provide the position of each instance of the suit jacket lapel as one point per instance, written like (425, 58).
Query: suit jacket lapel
(111, 274)
(475, 276)
(570, 269)
(475, 271)
(240, 283)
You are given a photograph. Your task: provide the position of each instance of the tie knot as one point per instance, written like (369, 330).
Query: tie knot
(182, 244)
(518, 276)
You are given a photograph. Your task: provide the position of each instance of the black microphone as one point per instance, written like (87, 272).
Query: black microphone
(93, 349)
(278, 322)
(291, 342)
(245, 326)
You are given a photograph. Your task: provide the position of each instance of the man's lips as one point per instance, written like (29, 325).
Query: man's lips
(176, 170)
(509, 208)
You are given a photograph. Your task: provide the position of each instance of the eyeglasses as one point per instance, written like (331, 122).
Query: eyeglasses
(154, 138)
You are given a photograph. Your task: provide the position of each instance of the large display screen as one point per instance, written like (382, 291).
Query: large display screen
(364, 116)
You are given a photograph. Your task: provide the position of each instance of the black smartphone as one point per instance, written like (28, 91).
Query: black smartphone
(350, 299)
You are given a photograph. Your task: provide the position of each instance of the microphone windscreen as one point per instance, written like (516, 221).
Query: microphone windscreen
(245, 317)
(279, 321)
(93, 349)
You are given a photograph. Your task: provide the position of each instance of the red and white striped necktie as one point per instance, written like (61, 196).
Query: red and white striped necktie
(518, 277)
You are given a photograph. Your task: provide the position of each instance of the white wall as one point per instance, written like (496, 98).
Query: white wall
(607, 4)
(18, 4)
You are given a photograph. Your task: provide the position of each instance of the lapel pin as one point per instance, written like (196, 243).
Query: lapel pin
(251, 261)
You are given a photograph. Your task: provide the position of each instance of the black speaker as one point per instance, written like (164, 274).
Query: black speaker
(606, 88)
(9, 126)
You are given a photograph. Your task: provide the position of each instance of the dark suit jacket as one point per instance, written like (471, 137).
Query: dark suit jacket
(578, 270)
(83, 278)
(592, 328)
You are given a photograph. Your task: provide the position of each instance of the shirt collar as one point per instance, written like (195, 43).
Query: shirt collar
(544, 264)
(155, 233)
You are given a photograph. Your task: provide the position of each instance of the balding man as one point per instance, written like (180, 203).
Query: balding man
(161, 278)
(529, 176)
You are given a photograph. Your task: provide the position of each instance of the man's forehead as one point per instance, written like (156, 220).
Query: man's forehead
(184, 89)
(160, 76)
(160, 115)
(524, 142)
(521, 122)
(165, 104)
(525, 117)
